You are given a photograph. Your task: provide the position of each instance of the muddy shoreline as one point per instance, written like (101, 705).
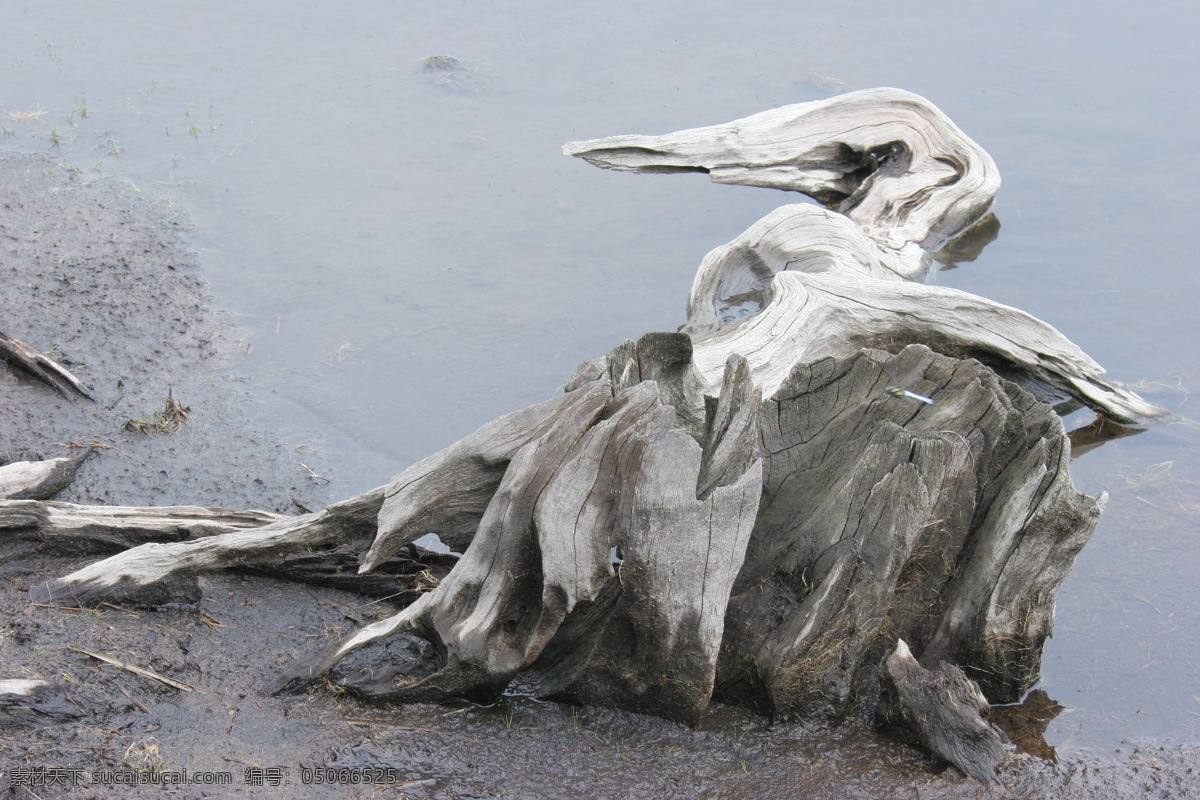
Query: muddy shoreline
(103, 278)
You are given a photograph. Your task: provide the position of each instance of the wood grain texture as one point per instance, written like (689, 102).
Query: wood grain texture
(887, 159)
(539, 591)
(160, 572)
(809, 316)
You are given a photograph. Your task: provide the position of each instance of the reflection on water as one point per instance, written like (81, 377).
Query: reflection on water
(1026, 722)
(969, 245)
(1088, 437)
(379, 197)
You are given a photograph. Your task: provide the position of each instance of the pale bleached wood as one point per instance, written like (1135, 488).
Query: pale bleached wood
(69, 529)
(157, 573)
(39, 480)
(904, 180)
(888, 159)
(809, 316)
(733, 279)
(611, 472)
(740, 510)
(449, 492)
(80, 527)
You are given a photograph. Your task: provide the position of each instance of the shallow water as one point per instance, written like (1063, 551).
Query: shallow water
(409, 255)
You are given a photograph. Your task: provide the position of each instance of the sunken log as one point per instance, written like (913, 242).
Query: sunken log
(827, 458)
(25, 701)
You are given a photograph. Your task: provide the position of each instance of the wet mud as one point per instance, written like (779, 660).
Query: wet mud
(103, 277)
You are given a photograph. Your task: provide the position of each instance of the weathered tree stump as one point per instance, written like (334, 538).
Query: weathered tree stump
(748, 509)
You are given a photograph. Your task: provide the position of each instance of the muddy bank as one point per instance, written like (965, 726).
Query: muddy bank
(97, 276)
(103, 277)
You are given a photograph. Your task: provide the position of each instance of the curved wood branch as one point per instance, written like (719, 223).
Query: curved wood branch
(888, 159)
(805, 283)
(733, 279)
(809, 316)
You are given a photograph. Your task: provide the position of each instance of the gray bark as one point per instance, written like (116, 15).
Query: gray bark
(538, 590)
(950, 525)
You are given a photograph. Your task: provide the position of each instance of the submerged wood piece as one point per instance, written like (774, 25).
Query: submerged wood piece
(26, 701)
(945, 709)
(155, 573)
(888, 159)
(39, 480)
(1025, 724)
(45, 369)
(947, 523)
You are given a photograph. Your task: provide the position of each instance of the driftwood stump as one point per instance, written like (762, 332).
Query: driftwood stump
(753, 508)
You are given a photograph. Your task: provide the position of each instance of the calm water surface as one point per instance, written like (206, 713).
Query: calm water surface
(409, 256)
